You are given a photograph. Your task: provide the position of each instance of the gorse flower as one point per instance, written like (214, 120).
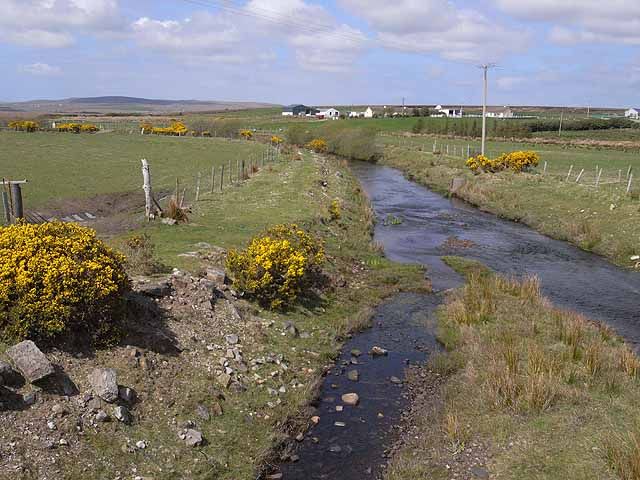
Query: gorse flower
(518, 161)
(318, 145)
(276, 266)
(55, 277)
(24, 125)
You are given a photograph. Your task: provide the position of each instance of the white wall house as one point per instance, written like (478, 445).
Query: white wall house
(368, 113)
(633, 113)
(354, 114)
(329, 114)
(452, 112)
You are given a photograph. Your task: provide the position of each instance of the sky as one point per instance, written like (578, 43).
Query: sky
(547, 52)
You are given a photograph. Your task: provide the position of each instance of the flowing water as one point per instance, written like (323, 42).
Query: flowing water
(349, 444)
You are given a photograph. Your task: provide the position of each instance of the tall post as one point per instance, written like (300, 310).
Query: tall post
(6, 206)
(16, 194)
(146, 177)
(484, 107)
(213, 178)
(198, 187)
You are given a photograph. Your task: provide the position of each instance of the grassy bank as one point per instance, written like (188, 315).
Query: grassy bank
(529, 391)
(254, 420)
(599, 220)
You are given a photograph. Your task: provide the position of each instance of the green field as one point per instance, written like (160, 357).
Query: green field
(60, 166)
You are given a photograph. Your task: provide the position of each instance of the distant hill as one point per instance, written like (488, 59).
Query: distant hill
(122, 104)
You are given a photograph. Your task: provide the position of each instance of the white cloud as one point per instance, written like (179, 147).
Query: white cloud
(41, 69)
(510, 82)
(436, 26)
(53, 23)
(582, 21)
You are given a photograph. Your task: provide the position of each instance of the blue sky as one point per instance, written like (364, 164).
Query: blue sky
(574, 52)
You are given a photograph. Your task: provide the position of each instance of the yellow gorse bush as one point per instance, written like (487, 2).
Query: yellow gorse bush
(517, 161)
(276, 140)
(246, 134)
(77, 127)
(24, 125)
(335, 210)
(175, 129)
(318, 145)
(276, 266)
(56, 277)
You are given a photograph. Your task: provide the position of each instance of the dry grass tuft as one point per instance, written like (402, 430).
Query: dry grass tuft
(628, 362)
(623, 454)
(594, 358)
(175, 211)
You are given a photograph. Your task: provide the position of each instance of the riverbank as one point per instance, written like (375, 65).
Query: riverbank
(597, 220)
(525, 390)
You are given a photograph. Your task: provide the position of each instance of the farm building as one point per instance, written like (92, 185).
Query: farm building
(499, 112)
(452, 112)
(298, 111)
(632, 113)
(329, 113)
(368, 113)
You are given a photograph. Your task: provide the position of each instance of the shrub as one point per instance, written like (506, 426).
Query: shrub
(276, 140)
(335, 211)
(146, 127)
(24, 125)
(139, 252)
(176, 129)
(89, 128)
(246, 134)
(57, 277)
(317, 145)
(276, 266)
(517, 161)
(69, 127)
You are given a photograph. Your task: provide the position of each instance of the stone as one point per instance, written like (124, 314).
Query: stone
(378, 351)
(101, 416)
(351, 399)
(335, 449)
(6, 372)
(30, 398)
(203, 412)
(59, 410)
(355, 352)
(339, 408)
(232, 339)
(122, 414)
(51, 425)
(141, 445)
(155, 289)
(315, 419)
(456, 184)
(339, 424)
(127, 394)
(300, 437)
(193, 438)
(169, 221)
(479, 472)
(104, 383)
(30, 361)
(353, 375)
(215, 275)
(224, 379)
(291, 328)
(395, 380)
(274, 476)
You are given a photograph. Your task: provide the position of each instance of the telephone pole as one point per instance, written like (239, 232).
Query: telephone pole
(484, 68)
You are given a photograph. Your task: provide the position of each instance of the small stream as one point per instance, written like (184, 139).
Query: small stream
(350, 444)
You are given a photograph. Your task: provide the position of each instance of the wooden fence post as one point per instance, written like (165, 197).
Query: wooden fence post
(598, 178)
(544, 171)
(198, 187)
(6, 206)
(579, 176)
(628, 172)
(569, 174)
(146, 178)
(619, 176)
(629, 183)
(213, 178)
(221, 177)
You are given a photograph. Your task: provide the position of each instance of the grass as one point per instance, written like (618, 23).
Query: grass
(599, 220)
(240, 441)
(536, 392)
(62, 166)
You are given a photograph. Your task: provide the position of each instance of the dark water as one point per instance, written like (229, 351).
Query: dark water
(569, 276)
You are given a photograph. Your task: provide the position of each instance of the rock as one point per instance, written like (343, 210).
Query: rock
(203, 412)
(30, 398)
(395, 380)
(456, 184)
(51, 425)
(30, 361)
(355, 352)
(479, 472)
(59, 410)
(378, 351)
(193, 438)
(351, 399)
(215, 275)
(291, 329)
(104, 382)
(274, 476)
(141, 445)
(300, 437)
(339, 424)
(335, 449)
(169, 221)
(315, 419)
(127, 394)
(232, 339)
(353, 375)
(101, 416)
(339, 408)
(224, 379)
(122, 414)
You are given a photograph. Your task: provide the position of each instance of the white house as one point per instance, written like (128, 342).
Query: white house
(354, 114)
(633, 113)
(448, 111)
(329, 113)
(499, 112)
(368, 113)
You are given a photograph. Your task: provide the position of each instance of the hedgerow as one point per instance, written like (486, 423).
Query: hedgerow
(24, 125)
(57, 278)
(77, 127)
(276, 266)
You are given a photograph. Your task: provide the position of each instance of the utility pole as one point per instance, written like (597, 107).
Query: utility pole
(560, 127)
(484, 68)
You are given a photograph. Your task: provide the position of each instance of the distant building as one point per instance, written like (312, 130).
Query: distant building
(298, 111)
(368, 113)
(453, 112)
(499, 112)
(633, 113)
(355, 114)
(329, 114)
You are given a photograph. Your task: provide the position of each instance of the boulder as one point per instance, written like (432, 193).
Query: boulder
(30, 361)
(291, 328)
(104, 382)
(122, 414)
(378, 351)
(353, 375)
(193, 438)
(6, 373)
(351, 399)
(216, 275)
